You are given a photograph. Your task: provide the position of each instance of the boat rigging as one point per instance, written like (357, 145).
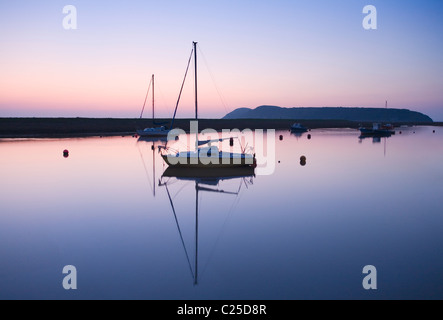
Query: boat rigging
(205, 154)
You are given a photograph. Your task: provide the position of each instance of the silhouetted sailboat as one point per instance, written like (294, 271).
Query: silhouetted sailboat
(206, 155)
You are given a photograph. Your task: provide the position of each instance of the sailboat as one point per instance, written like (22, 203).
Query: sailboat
(205, 154)
(161, 131)
(378, 129)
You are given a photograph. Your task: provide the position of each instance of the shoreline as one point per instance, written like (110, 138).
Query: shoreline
(22, 128)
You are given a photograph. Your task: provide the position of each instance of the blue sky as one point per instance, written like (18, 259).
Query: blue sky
(288, 53)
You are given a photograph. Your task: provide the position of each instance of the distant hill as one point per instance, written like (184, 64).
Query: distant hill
(330, 113)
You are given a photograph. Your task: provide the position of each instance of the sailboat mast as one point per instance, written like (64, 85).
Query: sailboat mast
(195, 66)
(153, 166)
(196, 234)
(153, 97)
(146, 98)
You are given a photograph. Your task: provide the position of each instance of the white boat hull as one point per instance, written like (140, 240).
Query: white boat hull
(153, 132)
(222, 160)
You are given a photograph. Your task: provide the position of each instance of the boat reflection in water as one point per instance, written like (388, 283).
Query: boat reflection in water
(375, 139)
(155, 142)
(297, 134)
(206, 180)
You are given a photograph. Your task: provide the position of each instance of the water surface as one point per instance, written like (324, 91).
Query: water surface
(304, 232)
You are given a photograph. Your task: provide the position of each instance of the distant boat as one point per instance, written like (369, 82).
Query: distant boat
(161, 131)
(206, 155)
(154, 132)
(297, 127)
(378, 129)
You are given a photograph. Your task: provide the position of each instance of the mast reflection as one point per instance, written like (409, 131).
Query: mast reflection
(205, 180)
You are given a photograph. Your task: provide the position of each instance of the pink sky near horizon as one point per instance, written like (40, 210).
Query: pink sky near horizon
(103, 70)
(106, 89)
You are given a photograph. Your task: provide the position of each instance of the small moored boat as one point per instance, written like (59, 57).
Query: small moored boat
(297, 127)
(154, 132)
(161, 131)
(378, 130)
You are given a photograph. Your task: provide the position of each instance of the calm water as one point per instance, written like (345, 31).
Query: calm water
(304, 232)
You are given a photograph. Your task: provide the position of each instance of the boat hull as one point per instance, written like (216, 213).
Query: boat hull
(378, 133)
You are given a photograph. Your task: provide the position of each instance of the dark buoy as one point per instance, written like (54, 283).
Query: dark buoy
(281, 137)
(433, 131)
(400, 132)
(176, 138)
(302, 161)
(309, 137)
(231, 142)
(66, 153)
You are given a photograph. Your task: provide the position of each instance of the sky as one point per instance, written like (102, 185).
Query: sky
(288, 53)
